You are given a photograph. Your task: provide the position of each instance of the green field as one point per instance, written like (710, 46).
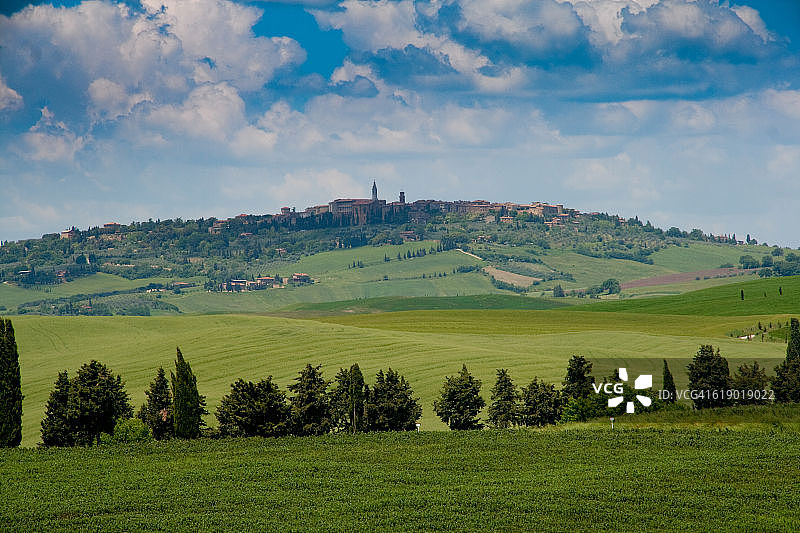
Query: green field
(686, 286)
(761, 297)
(425, 346)
(11, 296)
(400, 303)
(582, 480)
(704, 256)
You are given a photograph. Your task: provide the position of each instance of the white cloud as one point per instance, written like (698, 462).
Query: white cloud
(9, 98)
(617, 176)
(118, 55)
(313, 186)
(753, 19)
(784, 162)
(110, 100)
(786, 102)
(50, 140)
(214, 112)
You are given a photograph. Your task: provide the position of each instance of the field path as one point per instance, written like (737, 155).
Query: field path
(469, 254)
(517, 280)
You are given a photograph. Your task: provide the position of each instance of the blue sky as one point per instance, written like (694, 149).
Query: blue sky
(683, 112)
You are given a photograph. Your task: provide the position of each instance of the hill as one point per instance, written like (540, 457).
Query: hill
(490, 249)
(644, 480)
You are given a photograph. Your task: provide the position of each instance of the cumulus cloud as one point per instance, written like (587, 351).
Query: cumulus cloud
(9, 98)
(159, 53)
(50, 140)
(110, 100)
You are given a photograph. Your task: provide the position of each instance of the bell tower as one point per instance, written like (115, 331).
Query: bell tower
(374, 191)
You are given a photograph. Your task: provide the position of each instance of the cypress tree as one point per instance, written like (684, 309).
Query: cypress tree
(310, 405)
(793, 349)
(786, 383)
(504, 410)
(57, 428)
(460, 401)
(156, 413)
(10, 388)
(189, 405)
(669, 385)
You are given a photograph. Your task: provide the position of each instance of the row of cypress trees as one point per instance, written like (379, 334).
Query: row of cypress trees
(82, 408)
(10, 388)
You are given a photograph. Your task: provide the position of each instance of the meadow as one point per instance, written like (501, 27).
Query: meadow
(424, 345)
(762, 296)
(517, 480)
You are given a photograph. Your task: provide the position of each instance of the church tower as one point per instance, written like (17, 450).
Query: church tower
(374, 191)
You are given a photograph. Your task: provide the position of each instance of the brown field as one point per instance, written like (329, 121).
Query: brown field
(509, 277)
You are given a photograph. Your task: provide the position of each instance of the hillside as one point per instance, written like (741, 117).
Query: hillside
(453, 248)
(761, 297)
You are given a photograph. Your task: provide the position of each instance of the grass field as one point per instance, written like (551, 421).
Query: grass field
(761, 297)
(400, 303)
(200, 301)
(425, 346)
(704, 256)
(687, 286)
(554, 480)
(11, 296)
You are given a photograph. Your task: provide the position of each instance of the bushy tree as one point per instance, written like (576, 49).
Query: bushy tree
(310, 407)
(586, 408)
(578, 381)
(56, 425)
(391, 405)
(709, 378)
(97, 400)
(669, 385)
(10, 388)
(347, 400)
(460, 401)
(80, 409)
(156, 413)
(128, 431)
(254, 409)
(541, 404)
(189, 405)
(750, 381)
(503, 412)
(786, 383)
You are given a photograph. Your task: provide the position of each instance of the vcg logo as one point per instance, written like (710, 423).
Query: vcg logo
(645, 381)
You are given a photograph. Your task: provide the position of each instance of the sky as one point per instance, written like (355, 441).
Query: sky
(682, 112)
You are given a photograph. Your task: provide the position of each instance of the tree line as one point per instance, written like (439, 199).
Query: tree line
(93, 404)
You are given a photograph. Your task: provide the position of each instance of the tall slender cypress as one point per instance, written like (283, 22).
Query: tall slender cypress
(188, 404)
(10, 388)
(669, 385)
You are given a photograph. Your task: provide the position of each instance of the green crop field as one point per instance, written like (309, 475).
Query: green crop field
(590, 271)
(199, 301)
(400, 303)
(12, 296)
(581, 480)
(704, 256)
(425, 346)
(761, 297)
(686, 286)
